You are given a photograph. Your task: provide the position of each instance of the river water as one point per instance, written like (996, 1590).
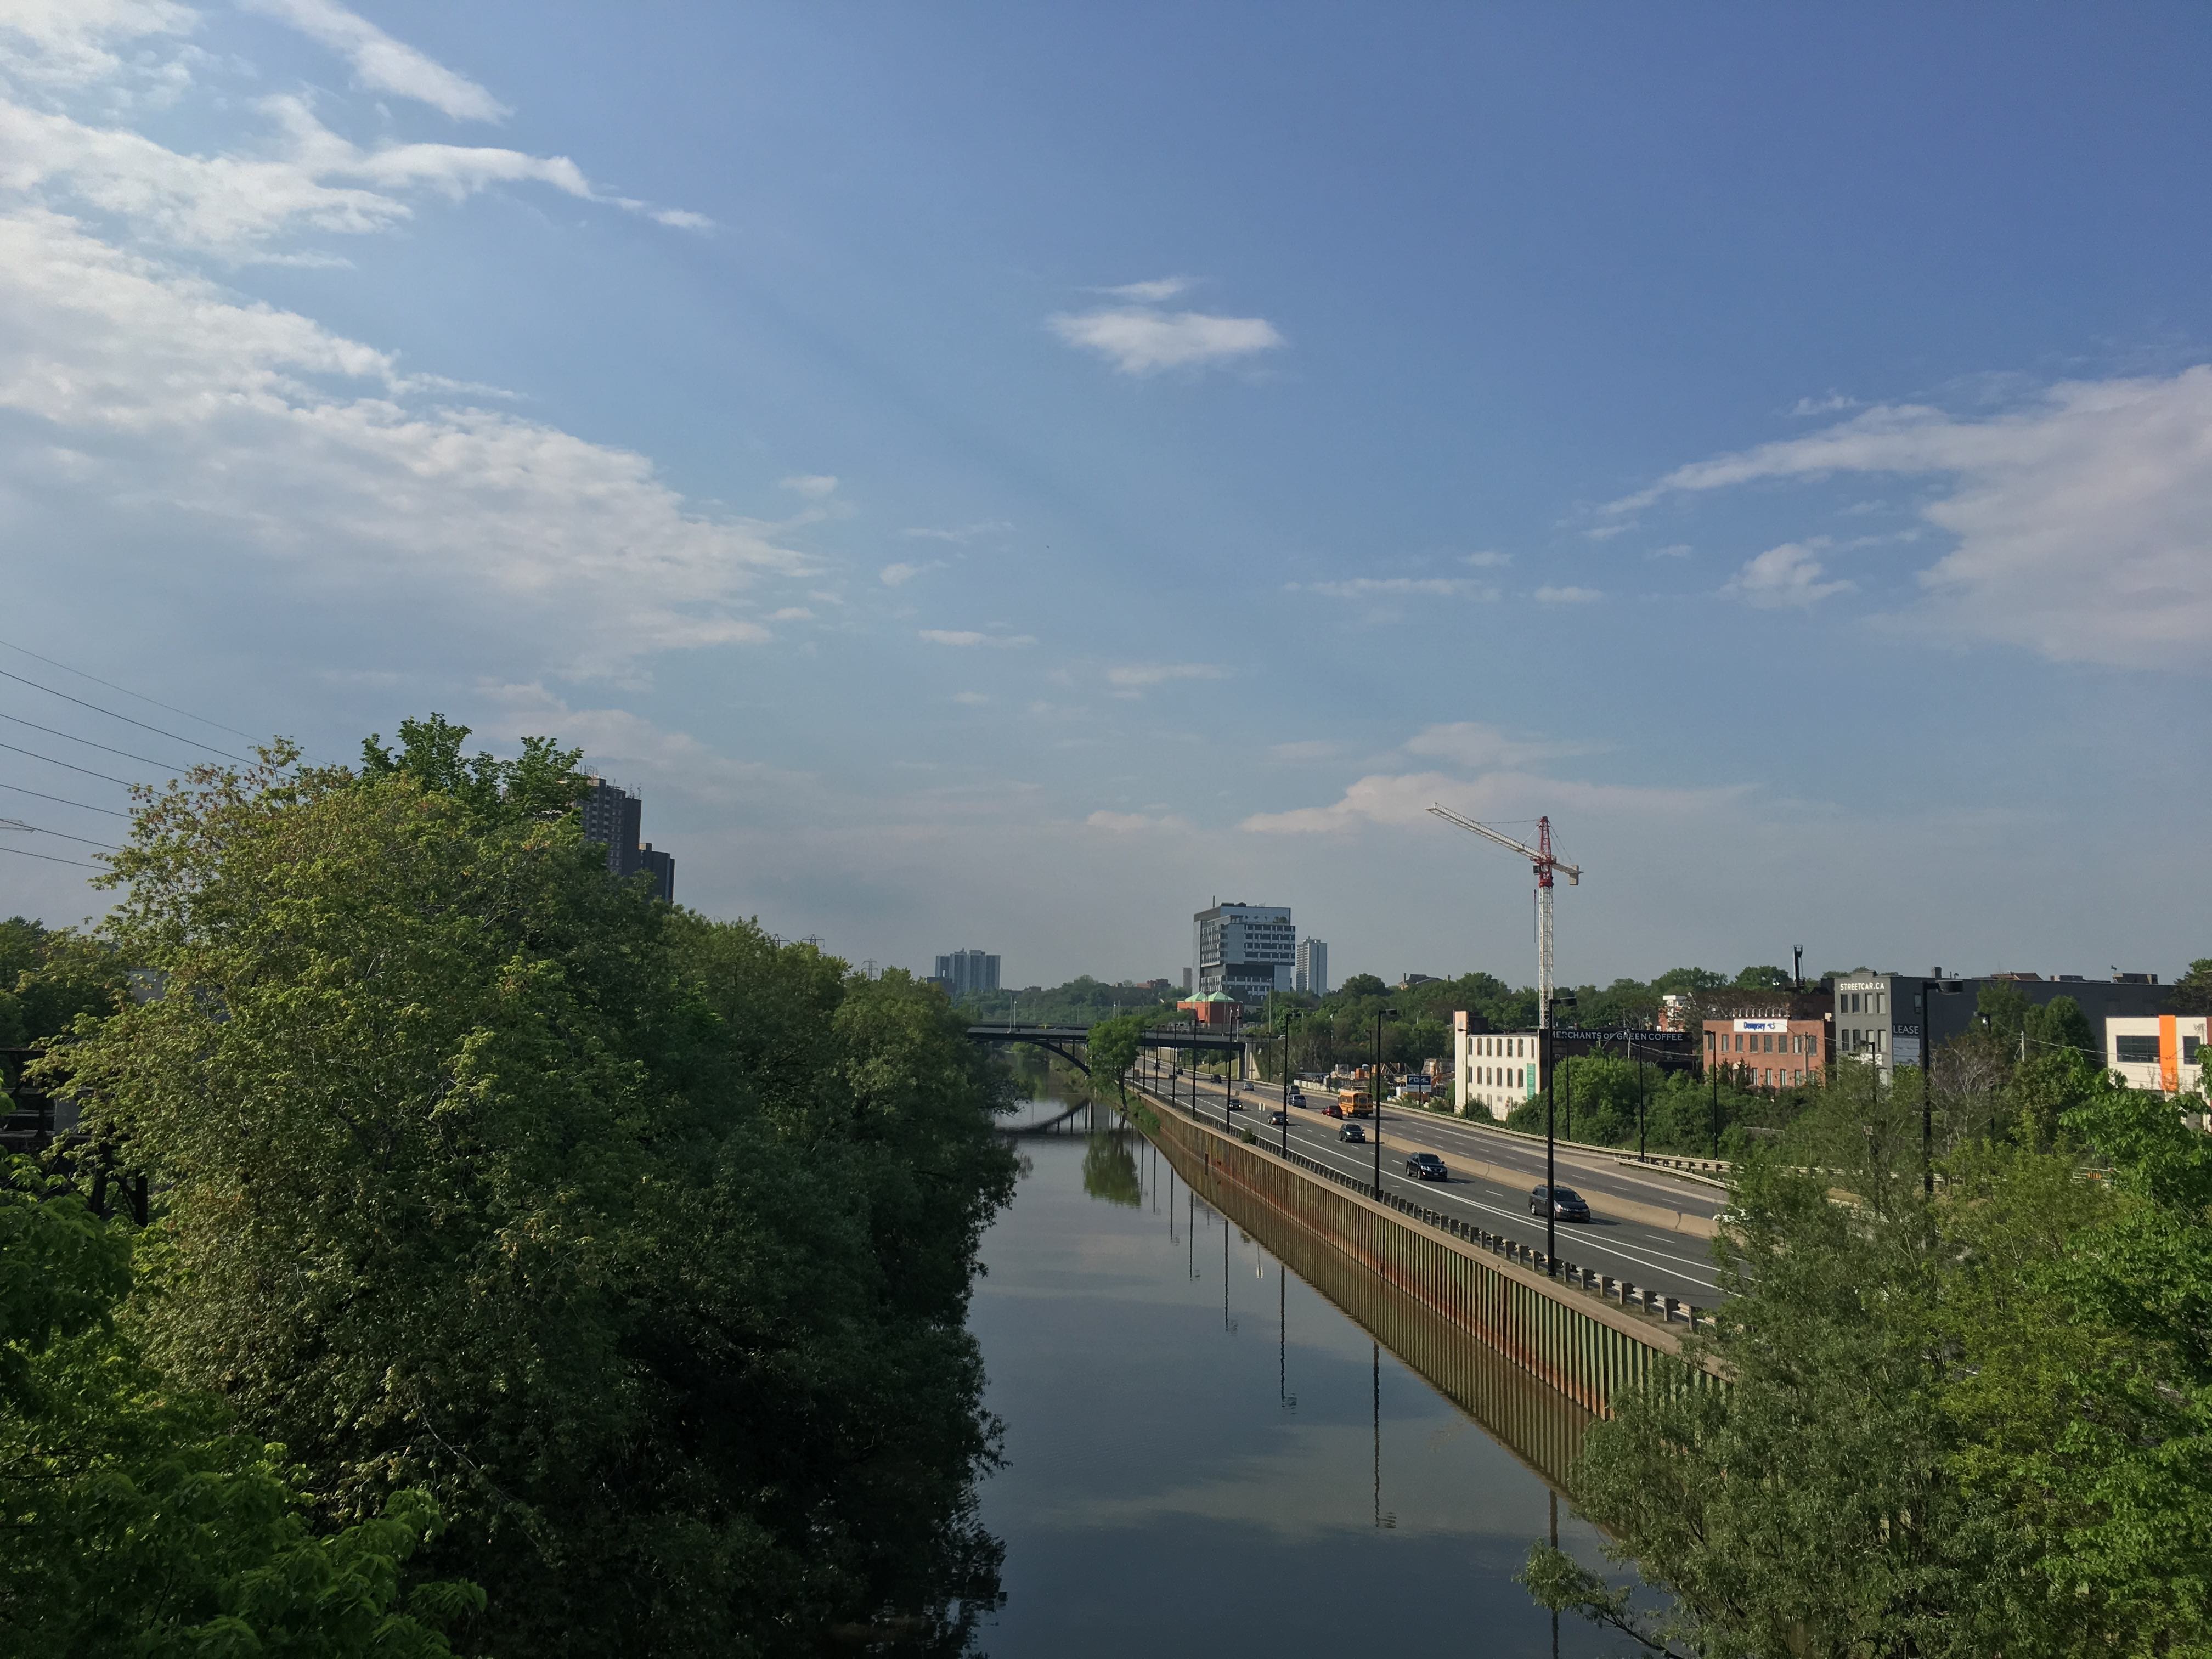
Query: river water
(1205, 1455)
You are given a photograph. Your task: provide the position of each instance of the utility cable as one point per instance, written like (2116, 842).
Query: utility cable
(128, 692)
(82, 805)
(49, 857)
(41, 830)
(70, 737)
(173, 737)
(51, 761)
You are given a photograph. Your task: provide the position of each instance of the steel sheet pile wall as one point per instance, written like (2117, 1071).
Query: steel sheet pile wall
(1581, 1347)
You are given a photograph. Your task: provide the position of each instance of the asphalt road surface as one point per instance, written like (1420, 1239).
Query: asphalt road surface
(1657, 1258)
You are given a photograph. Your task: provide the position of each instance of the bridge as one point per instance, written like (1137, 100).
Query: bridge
(1071, 1043)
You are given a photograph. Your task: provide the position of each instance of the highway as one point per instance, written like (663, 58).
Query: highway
(1657, 1258)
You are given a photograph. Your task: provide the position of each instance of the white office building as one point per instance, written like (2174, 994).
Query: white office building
(1312, 973)
(2164, 1052)
(1493, 1071)
(1246, 950)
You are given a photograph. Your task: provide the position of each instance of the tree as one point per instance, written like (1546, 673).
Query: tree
(48, 976)
(2060, 1024)
(1112, 1046)
(140, 1519)
(1363, 985)
(639, 1243)
(2192, 992)
(1765, 979)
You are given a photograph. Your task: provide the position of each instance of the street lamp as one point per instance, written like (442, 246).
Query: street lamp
(1551, 1135)
(1381, 1014)
(1927, 988)
(1290, 1018)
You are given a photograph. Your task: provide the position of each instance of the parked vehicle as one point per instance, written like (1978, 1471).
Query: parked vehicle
(1426, 1166)
(1566, 1203)
(1352, 1133)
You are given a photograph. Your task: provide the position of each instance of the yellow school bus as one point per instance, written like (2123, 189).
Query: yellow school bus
(1354, 1103)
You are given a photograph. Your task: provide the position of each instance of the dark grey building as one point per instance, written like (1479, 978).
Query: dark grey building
(1879, 1017)
(613, 817)
(1246, 950)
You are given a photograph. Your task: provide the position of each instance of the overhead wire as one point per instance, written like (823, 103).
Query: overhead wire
(41, 830)
(70, 737)
(61, 800)
(65, 765)
(175, 737)
(127, 691)
(25, 853)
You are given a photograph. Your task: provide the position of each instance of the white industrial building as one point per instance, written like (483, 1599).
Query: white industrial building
(2162, 1052)
(1493, 1071)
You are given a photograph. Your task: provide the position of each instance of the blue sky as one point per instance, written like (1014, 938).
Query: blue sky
(1004, 476)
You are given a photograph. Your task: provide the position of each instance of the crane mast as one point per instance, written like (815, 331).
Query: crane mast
(1541, 857)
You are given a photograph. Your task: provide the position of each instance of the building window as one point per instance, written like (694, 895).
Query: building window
(2135, 1050)
(2189, 1046)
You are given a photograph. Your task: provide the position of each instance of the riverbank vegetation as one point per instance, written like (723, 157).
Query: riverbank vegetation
(1971, 1422)
(589, 1275)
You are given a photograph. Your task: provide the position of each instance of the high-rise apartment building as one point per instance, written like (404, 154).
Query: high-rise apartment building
(965, 972)
(613, 817)
(1246, 950)
(1312, 973)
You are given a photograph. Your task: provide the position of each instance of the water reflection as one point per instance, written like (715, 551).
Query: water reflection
(1157, 1493)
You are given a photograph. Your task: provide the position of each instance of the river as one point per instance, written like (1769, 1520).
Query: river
(1205, 1455)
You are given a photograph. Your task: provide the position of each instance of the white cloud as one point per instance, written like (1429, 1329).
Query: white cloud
(1488, 559)
(1139, 340)
(1787, 577)
(1131, 824)
(972, 699)
(968, 637)
(1606, 532)
(818, 485)
(1151, 293)
(2081, 518)
(962, 534)
(70, 43)
(1306, 749)
(898, 575)
(203, 413)
(1477, 744)
(1398, 800)
(1834, 402)
(381, 64)
(1674, 551)
(1382, 588)
(1137, 675)
(1568, 596)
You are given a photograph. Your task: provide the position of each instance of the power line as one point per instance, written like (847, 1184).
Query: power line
(70, 737)
(128, 692)
(51, 761)
(41, 830)
(50, 859)
(82, 805)
(174, 736)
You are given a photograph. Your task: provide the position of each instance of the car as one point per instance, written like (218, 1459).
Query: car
(1279, 1118)
(1298, 1097)
(1426, 1166)
(1566, 1204)
(1332, 1110)
(1353, 1132)
(1235, 1105)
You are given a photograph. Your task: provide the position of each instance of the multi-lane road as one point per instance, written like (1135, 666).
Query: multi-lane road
(1658, 1258)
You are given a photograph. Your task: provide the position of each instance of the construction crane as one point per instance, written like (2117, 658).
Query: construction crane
(1541, 856)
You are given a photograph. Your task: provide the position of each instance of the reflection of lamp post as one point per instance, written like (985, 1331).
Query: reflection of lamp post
(1381, 1014)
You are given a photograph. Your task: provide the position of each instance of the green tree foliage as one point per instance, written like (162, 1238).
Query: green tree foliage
(1363, 985)
(2060, 1024)
(1763, 979)
(48, 976)
(1113, 1046)
(1600, 1095)
(139, 1519)
(640, 1243)
(1976, 1426)
(2192, 992)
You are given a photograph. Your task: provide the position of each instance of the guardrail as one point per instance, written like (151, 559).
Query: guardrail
(1668, 1310)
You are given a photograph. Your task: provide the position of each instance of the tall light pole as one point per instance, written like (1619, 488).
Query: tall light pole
(1928, 987)
(1290, 1018)
(1381, 1014)
(1551, 1139)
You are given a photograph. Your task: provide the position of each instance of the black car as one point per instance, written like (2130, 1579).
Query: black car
(1279, 1119)
(1426, 1166)
(1352, 1131)
(1566, 1203)
(1235, 1105)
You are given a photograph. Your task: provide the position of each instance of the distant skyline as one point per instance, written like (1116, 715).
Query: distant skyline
(1009, 473)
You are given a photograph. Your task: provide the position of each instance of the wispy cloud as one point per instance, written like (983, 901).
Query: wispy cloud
(1402, 801)
(1151, 292)
(1479, 746)
(898, 575)
(1673, 550)
(1606, 532)
(1383, 587)
(1488, 559)
(1134, 824)
(1788, 577)
(1568, 596)
(1135, 676)
(817, 485)
(1305, 750)
(971, 699)
(966, 637)
(381, 64)
(1145, 340)
(1834, 403)
(960, 534)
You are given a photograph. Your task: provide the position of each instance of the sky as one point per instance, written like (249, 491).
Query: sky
(1004, 477)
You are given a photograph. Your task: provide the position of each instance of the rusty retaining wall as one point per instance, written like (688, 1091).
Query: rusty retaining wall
(1582, 1347)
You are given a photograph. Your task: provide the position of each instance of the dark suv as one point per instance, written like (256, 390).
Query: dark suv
(1353, 1132)
(1566, 1203)
(1426, 1166)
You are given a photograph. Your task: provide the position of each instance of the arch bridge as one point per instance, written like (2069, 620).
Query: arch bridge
(1071, 1043)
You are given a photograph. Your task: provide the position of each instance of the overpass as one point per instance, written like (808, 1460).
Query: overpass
(1071, 1043)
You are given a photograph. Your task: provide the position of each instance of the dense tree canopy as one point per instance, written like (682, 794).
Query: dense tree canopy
(638, 1243)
